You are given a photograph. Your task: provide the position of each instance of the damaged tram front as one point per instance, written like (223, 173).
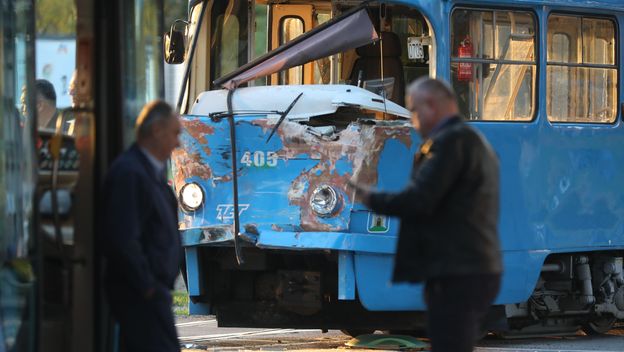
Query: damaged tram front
(275, 243)
(283, 102)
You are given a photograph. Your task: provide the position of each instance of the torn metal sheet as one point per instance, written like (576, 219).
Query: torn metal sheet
(277, 178)
(317, 100)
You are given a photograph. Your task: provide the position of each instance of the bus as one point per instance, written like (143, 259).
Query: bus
(50, 282)
(282, 102)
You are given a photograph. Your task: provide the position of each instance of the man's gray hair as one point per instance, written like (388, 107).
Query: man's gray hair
(433, 86)
(152, 113)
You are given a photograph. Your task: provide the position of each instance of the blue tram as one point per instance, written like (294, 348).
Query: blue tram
(274, 239)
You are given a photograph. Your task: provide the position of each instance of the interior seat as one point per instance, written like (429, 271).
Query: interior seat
(369, 64)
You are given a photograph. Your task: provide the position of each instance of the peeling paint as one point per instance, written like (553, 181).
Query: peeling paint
(360, 144)
(197, 129)
(307, 158)
(187, 166)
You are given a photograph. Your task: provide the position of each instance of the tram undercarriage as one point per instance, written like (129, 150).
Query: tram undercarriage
(278, 289)
(574, 291)
(296, 289)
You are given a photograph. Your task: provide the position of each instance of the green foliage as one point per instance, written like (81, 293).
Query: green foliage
(173, 10)
(180, 303)
(58, 17)
(55, 17)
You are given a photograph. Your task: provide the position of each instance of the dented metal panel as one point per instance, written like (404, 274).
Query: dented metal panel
(316, 100)
(277, 178)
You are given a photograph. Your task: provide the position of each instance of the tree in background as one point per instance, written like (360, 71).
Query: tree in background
(55, 17)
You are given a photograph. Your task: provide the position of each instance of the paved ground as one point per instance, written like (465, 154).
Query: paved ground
(200, 333)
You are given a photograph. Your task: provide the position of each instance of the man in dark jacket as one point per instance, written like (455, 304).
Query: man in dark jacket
(140, 234)
(449, 216)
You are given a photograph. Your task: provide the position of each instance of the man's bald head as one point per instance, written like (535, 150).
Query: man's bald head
(153, 113)
(436, 88)
(430, 100)
(157, 129)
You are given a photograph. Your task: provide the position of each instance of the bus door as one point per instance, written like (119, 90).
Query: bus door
(287, 23)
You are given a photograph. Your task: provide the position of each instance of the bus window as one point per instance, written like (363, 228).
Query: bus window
(581, 70)
(493, 64)
(18, 275)
(290, 28)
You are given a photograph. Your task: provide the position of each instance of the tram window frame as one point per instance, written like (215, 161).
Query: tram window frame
(496, 59)
(283, 76)
(581, 63)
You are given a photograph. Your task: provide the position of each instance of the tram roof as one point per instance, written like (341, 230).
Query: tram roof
(605, 5)
(316, 100)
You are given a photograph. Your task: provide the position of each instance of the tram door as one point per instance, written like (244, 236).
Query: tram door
(68, 108)
(287, 23)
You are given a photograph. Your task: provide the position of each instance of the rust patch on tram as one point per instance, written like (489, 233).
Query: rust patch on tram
(198, 130)
(187, 165)
(360, 144)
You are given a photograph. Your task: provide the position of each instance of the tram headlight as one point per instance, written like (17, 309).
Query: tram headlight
(324, 200)
(191, 196)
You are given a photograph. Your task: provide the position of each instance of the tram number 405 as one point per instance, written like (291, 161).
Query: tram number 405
(259, 158)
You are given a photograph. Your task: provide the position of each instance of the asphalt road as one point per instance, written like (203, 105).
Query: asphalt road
(200, 333)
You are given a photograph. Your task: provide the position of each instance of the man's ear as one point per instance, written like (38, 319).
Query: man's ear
(39, 104)
(157, 129)
(430, 103)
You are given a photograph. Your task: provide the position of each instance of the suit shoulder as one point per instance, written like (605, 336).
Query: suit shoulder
(126, 165)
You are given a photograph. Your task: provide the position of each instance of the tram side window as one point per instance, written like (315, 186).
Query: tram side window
(581, 70)
(493, 64)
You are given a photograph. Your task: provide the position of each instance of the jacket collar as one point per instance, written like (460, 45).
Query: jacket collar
(147, 165)
(446, 122)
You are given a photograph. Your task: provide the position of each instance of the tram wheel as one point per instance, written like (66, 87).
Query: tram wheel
(599, 325)
(356, 332)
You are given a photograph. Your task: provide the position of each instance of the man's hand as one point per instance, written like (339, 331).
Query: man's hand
(361, 193)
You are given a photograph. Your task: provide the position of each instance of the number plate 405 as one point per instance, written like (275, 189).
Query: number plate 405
(259, 159)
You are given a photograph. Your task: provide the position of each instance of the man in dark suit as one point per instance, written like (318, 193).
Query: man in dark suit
(449, 216)
(140, 234)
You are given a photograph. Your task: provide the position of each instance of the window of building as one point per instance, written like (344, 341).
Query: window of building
(581, 70)
(493, 64)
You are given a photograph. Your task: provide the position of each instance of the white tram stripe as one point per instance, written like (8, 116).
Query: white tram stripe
(241, 334)
(199, 322)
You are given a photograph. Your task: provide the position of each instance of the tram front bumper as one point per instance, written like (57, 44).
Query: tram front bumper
(291, 240)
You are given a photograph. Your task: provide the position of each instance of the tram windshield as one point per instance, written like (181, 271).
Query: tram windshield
(394, 47)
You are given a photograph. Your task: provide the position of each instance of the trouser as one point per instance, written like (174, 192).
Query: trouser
(145, 325)
(456, 309)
